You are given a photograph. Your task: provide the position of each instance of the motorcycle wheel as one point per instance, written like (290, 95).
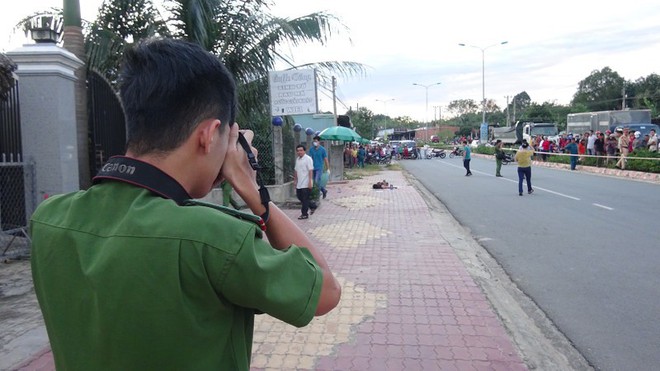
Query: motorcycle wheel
(451, 155)
(443, 155)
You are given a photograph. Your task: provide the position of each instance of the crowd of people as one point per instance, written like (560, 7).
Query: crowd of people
(606, 145)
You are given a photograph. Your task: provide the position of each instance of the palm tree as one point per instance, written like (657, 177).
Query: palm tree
(240, 32)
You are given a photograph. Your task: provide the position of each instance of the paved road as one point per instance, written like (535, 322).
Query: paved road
(585, 248)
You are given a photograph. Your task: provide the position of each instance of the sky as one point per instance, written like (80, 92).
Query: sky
(551, 47)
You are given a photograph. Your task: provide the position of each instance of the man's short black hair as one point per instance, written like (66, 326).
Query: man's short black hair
(317, 138)
(301, 146)
(167, 88)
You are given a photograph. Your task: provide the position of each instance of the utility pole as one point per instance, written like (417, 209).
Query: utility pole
(508, 123)
(334, 98)
(514, 111)
(623, 100)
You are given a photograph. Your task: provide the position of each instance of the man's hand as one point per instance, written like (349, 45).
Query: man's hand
(236, 169)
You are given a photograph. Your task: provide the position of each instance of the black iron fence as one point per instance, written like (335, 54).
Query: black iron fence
(17, 202)
(17, 198)
(107, 127)
(10, 126)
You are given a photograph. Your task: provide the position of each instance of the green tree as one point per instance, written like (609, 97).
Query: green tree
(117, 25)
(517, 107)
(538, 113)
(600, 91)
(493, 113)
(646, 93)
(363, 121)
(461, 107)
(464, 131)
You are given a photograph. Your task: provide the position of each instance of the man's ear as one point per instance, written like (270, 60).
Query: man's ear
(207, 131)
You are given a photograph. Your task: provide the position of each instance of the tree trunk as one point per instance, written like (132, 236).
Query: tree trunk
(75, 43)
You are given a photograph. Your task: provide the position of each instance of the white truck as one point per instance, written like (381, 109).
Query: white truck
(523, 131)
(635, 120)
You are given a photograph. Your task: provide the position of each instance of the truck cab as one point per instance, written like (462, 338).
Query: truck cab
(533, 129)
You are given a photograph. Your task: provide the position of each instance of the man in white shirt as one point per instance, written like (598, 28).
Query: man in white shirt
(303, 178)
(591, 141)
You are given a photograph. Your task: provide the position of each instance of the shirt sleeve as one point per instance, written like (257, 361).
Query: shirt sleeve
(286, 284)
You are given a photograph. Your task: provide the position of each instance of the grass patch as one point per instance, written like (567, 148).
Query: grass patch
(359, 173)
(393, 167)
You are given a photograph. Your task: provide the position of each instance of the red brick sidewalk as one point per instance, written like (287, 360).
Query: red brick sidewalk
(408, 302)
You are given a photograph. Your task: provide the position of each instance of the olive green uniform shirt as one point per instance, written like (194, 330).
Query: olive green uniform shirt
(127, 280)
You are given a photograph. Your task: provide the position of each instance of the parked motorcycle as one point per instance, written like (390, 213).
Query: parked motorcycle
(436, 152)
(456, 152)
(376, 159)
(507, 158)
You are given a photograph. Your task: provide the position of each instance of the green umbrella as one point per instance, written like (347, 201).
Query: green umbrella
(339, 133)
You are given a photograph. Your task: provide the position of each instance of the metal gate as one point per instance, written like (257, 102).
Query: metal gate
(107, 126)
(17, 198)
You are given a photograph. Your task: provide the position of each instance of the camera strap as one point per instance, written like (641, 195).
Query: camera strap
(144, 175)
(263, 191)
(147, 176)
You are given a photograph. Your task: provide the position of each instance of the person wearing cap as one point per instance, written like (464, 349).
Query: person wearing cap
(572, 148)
(499, 156)
(524, 160)
(623, 143)
(652, 144)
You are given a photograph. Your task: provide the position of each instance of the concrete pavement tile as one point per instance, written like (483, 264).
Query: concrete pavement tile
(360, 363)
(393, 364)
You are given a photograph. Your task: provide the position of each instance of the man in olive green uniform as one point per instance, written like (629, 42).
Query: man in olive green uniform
(133, 275)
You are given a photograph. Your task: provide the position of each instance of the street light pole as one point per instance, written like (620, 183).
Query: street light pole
(384, 101)
(483, 77)
(426, 117)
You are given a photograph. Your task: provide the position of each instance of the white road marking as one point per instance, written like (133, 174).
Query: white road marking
(557, 193)
(603, 206)
(516, 182)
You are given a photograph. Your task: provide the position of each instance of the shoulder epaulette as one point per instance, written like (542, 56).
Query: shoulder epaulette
(230, 211)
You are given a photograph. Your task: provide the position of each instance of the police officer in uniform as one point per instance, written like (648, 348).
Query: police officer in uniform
(133, 274)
